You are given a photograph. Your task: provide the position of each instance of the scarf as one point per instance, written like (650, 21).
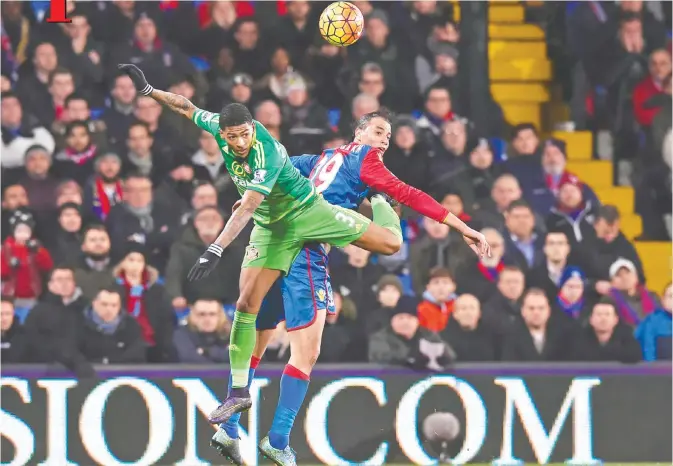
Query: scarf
(491, 273)
(572, 309)
(554, 182)
(144, 216)
(626, 312)
(143, 164)
(135, 304)
(101, 202)
(80, 158)
(106, 328)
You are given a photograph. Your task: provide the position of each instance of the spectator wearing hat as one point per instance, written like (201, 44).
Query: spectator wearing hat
(468, 334)
(145, 298)
(76, 160)
(104, 190)
(632, 299)
(571, 296)
(119, 115)
(525, 141)
(304, 119)
(207, 224)
(606, 338)
(472, 177)
(606, 246)
(145, 219)
(24, 262)
(406, 156)
(65, 242)
(12, 336)
(39, 184)
(438, 300)
(389, 294)
(655, 332)
(574, 215)
(523, 246)
(158, 58)
(403, 342)
(19, 132)
(205, 338)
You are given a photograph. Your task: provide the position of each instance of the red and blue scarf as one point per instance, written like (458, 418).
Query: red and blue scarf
(572, 309)
(491, 273)
(627, 313)
(102, 203)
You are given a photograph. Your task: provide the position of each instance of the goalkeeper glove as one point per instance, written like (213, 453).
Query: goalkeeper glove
(206, 263)
(138, 78)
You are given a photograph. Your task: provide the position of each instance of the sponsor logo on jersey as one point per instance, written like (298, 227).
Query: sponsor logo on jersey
(251, 253)
(242, 182)
(207, 116)
(238, 169)
(259, 177)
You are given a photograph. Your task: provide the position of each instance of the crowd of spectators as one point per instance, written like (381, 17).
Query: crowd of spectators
(108, 199)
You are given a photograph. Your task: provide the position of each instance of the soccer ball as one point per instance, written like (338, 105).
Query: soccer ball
(341, 24)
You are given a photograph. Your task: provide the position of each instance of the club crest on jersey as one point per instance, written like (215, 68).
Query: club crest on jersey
(251, 253)
(238, 169)
(260, 176)
(320, 294)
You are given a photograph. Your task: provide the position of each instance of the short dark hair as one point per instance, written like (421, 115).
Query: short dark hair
(109, 289)
(76, 96)
(135, 174)
(518, 203)
(234, 114)
(7, 299)
(135, 123)
(67, 267)
(57, 71)
(534, 292)
(76, 124)
(364, 120)
(522, 127)
(440, 272)
(511, 268)
(609, 213)
(555, 232)
(94, 227)
(606, 302)
(9, 95)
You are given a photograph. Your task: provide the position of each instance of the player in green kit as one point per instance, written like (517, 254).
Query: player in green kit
(287, 213)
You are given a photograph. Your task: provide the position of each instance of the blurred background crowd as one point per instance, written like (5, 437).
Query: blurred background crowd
(108, 199)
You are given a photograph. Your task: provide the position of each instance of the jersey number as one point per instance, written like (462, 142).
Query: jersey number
(326, 172)
(347, 219)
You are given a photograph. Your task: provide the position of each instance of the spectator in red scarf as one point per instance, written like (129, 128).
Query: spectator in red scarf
(570, 298)
(633, 300)
(146, 299)
(24, 262)
(76, 161)
(104, 190)
(660, 68)
(437, 305)
(573, 214)
(481, 277)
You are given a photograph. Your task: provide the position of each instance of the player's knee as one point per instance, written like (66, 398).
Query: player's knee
(392, 244)
(245, 305)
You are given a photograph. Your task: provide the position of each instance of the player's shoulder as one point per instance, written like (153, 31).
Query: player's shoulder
(354, 148)
(206, 117)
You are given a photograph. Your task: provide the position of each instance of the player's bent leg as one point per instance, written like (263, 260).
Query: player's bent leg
(379, 240)
(254, 284)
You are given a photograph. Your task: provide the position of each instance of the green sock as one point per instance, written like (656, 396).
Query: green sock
(241, 346)
(385, 216)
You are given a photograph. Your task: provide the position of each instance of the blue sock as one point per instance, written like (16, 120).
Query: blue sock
(293, 387)
(231, 426)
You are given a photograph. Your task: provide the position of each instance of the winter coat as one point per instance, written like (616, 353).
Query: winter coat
(200, 348)
(654, 335)
(23, 268)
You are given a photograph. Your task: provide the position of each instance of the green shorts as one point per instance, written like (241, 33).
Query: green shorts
(277, 245)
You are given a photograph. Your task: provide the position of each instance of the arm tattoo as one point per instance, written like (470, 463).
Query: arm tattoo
(240, 218)
(175, 102)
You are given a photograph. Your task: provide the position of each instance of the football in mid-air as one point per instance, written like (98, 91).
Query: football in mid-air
(341, 24)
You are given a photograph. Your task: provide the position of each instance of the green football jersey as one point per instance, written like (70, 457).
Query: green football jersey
(267, 169)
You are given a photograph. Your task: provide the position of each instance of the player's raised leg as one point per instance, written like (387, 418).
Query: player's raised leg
(255, 282)
(384, 234)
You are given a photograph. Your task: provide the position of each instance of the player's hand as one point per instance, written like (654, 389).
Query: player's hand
(138, 78)
(477, 242)
(206, 263)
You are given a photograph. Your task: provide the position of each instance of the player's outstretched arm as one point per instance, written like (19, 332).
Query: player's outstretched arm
(238, 220)
(175, 102)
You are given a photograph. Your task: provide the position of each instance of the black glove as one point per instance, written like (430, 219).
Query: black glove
(138, 78)
(14, 262)
(206, 263)
(33, 245)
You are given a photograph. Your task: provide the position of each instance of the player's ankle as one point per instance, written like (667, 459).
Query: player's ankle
(239, 392)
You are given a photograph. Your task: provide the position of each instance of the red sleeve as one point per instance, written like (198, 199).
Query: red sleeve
(43, 260)
(375, 174)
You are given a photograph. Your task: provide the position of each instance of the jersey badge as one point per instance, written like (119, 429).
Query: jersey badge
(260, 176)
(320, 294)
(251, 253)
